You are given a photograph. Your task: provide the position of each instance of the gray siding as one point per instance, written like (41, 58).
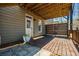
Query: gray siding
(36, 28)
(11, 24)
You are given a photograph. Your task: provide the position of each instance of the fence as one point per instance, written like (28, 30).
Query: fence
(60, 29)
(75, 36)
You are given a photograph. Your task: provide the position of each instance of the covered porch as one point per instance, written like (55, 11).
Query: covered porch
(32, 22)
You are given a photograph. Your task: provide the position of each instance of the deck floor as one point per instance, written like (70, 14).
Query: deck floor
(61, 46)
(46, 46)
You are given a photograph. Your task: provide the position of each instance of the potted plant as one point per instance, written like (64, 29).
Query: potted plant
(26, 38)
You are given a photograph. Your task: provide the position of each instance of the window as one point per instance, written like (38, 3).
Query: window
(39, 27)
(28, 24)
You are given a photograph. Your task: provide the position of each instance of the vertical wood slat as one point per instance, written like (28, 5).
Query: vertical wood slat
(57, 47)
(48, 44)
(51, 45)
(59, 50)
(76, 36)
(75, 39)
(70, 48)
(64, 48)
(53, 49)
(73, 47)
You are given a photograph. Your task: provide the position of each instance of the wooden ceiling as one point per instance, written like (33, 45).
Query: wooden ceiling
(7, 4)
(48, 10)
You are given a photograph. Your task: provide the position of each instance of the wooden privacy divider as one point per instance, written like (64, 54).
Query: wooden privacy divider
(60, 29)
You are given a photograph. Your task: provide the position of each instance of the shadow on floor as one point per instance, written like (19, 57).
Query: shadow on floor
(77, 47)
(42, 41)
(20, 50)
(27, 49)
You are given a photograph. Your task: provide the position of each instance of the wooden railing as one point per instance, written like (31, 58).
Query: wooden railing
(75, 36)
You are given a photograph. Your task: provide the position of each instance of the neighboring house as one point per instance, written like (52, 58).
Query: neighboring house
(14, 23)
(76, 25)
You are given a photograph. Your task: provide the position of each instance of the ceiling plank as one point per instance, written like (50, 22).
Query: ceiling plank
(32, 5)
(42, 6)
(35, 16)
(50, 9)
(36, 6)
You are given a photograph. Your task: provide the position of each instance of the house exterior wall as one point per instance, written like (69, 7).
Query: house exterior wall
(12, 24)
(36, 31)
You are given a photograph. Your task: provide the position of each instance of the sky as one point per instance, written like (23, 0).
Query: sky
(76, 11)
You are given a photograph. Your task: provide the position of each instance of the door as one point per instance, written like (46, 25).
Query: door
(29, 26)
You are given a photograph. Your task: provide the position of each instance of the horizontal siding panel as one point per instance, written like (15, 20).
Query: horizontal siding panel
(12, 24)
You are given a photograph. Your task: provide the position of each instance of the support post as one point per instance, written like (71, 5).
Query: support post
(67, 26)
(71, 18)
(67, 18)
(71, 21)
